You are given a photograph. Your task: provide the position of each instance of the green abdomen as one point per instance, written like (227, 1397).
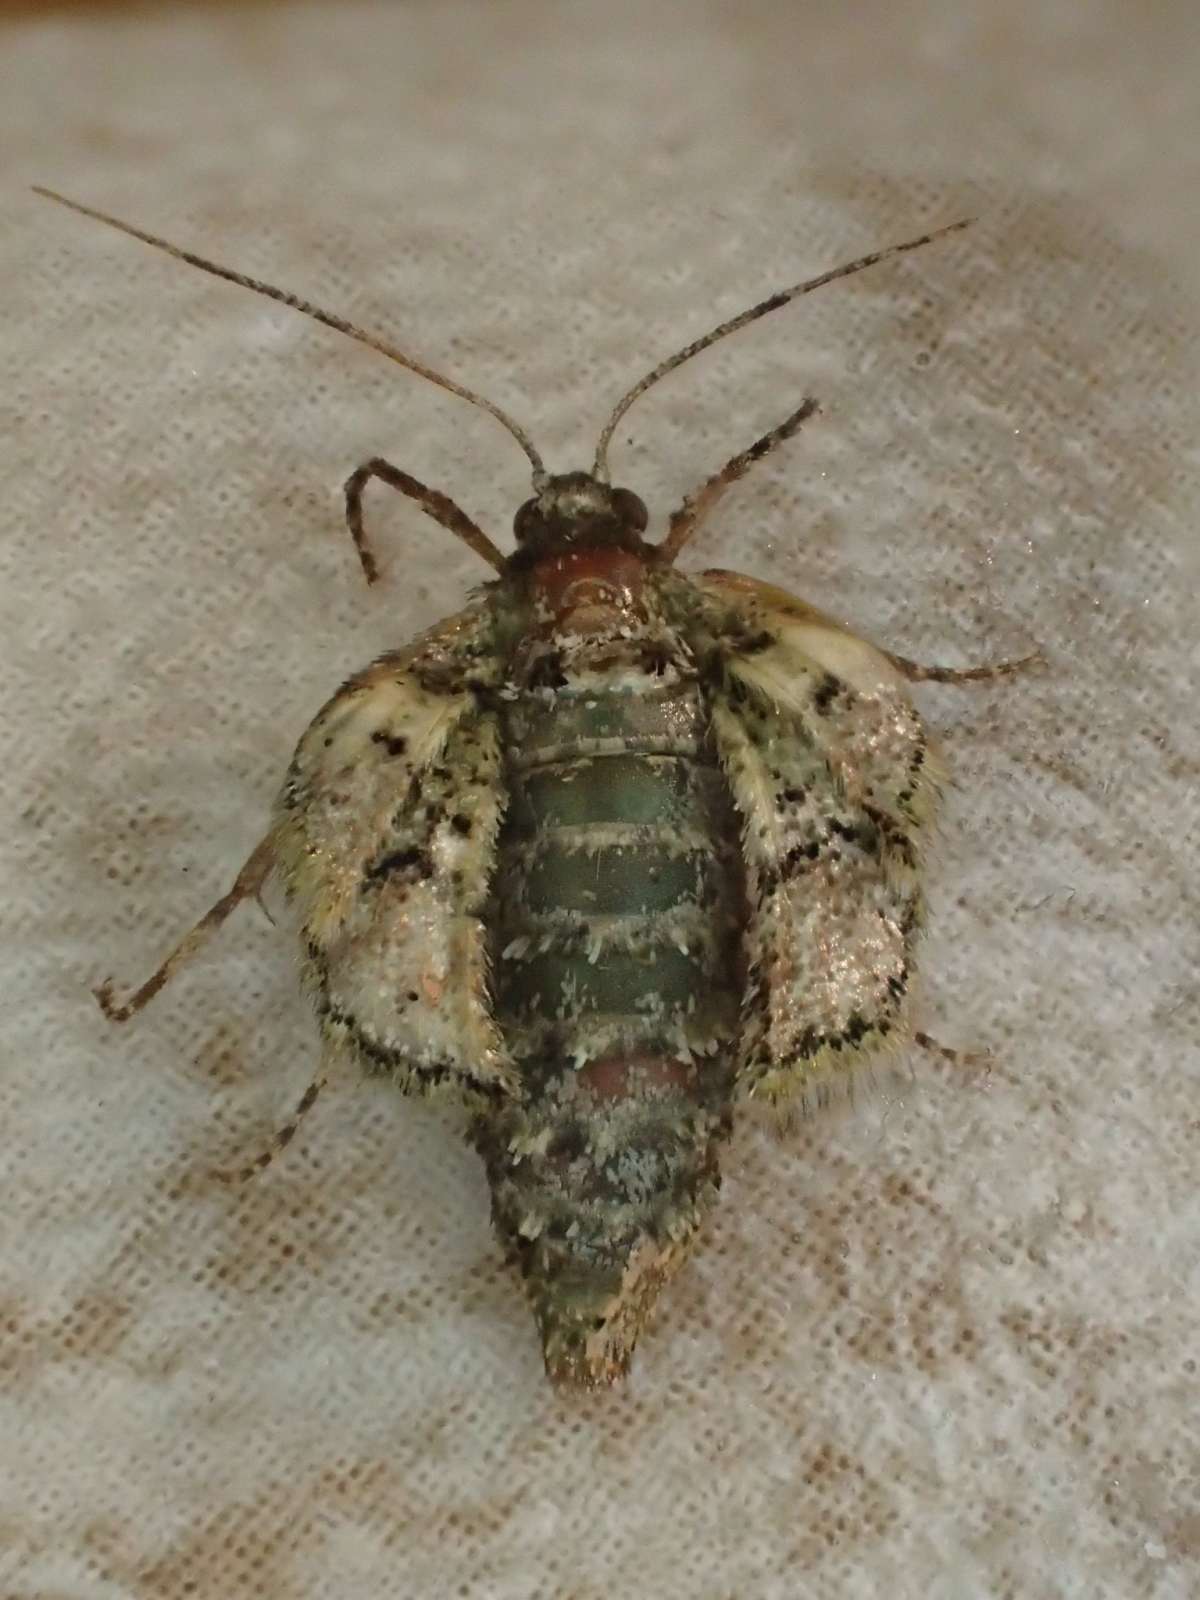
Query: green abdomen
(615, 925)
(613, 869)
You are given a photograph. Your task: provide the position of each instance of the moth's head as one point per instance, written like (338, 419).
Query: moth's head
(574, 509)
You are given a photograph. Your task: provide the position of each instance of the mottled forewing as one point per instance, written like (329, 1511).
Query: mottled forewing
(386, 834)
(832, 775)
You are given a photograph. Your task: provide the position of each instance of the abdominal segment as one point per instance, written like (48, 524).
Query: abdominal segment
(615, 922)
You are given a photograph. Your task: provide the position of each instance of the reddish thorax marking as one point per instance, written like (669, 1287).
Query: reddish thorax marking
(584, 588)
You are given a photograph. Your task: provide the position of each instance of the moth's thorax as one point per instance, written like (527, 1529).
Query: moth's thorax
(586, 590)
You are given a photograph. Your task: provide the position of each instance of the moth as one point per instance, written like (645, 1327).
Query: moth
(602, 856)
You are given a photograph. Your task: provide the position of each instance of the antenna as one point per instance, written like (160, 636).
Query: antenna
(771, 303)
(327, 317)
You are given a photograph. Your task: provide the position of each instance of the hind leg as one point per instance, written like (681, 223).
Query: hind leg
(916, 673)
(246, 886)
(281, 1139)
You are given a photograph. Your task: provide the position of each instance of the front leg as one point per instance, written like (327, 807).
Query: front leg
(433, 502)
(700, 502)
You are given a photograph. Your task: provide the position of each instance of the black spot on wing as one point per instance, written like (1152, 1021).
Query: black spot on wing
(798, 858)
(412, 861)
(825, 693)
(547, 671)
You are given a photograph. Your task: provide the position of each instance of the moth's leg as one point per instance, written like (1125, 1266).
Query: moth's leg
(281, 1139)
(916, 673)
(247, 886)
(700, 502)
(435, 504)
(956, 1058)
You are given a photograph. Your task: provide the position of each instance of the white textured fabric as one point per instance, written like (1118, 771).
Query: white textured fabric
(942, 1346)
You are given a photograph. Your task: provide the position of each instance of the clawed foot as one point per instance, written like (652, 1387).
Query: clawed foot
(956, 1058)
(104, 999)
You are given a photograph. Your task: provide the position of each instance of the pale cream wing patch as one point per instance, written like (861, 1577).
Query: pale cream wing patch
(829, 767)
(882, 753)
(386, 836)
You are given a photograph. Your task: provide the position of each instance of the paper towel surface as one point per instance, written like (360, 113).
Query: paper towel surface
(942, 1345)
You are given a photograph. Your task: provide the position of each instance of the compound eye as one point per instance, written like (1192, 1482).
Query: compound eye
(631, 509)
(523, 520)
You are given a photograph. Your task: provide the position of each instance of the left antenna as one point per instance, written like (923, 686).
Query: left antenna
(372, 341)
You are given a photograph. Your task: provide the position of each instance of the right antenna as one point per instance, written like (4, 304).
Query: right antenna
(771, 303)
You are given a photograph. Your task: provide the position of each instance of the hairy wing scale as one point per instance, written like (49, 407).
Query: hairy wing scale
(876, 748)
(386, 833)
(830, 770)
